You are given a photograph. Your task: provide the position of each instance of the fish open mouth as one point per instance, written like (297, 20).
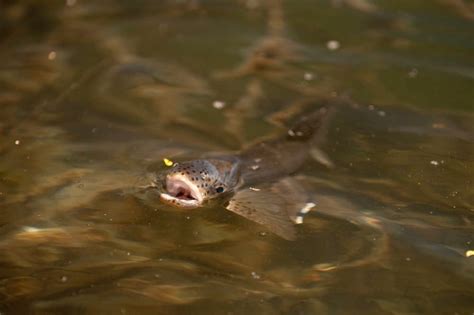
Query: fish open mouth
(181, 192)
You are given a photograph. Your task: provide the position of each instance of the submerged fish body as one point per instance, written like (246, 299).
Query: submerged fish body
(254, 183)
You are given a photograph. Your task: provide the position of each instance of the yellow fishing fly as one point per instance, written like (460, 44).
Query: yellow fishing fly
(168, 162)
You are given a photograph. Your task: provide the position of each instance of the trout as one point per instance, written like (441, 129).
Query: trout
(255, 183)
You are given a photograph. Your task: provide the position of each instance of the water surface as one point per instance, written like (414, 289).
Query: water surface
(94, 94)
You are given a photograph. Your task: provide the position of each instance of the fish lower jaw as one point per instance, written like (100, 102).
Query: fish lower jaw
(178, 202)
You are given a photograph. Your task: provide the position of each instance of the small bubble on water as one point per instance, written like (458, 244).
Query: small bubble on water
(407, 258)
(218, 104)
(333, 45)
(17, 142)
(63, 279)
(371, 107)
(435, 163)
(381, 113)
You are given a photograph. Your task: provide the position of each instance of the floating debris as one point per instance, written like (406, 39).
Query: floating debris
(30, 229)
(324, 267)
(252, 4)
(435, 163)
(469, 253)
(70, 3)
(381, 113)
(63, 279)
(413, 73)
(17, 142)
(438, 126)
(218, 104)
(308, 76)
(254, 167)
(52, 55)
(307, 208)
(333, 45)
(254, 189)
(255, 275)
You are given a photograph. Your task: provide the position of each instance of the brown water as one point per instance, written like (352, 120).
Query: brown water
(94, 94)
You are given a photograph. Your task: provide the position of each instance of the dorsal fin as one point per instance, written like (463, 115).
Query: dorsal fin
(312, 125)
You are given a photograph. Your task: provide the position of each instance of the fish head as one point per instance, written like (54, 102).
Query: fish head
(193, 183)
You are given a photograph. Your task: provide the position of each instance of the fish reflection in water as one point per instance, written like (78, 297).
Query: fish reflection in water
(254, 183)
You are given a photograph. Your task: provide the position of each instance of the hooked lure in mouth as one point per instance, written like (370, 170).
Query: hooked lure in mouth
(254, 184)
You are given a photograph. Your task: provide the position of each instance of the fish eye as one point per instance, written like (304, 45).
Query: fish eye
(220, 189)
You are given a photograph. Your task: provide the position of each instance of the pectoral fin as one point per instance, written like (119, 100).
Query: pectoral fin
(277, 207)
(266, 208)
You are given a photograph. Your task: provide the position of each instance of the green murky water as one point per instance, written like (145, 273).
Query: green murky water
(94, 94)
